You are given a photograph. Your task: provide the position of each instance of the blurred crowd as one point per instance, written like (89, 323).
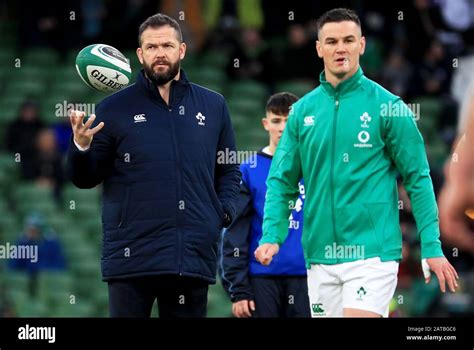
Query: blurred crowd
(421, 50)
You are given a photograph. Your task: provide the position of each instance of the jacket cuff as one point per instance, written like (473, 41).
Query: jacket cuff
(242, 296)
(431, 250)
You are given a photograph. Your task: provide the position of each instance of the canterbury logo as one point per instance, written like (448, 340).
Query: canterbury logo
(309, 120)
(139, 118)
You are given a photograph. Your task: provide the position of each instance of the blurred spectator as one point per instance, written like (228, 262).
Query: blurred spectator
(121, 15)
(21, 133)
(421, 21)
(299, 60)
(190, 18)
(49, 250)
(62, 132)
(220, 14)
(49, 23)
(433, 73)
(396, 74)
(45, 167)
(255, 60)
(93, 13)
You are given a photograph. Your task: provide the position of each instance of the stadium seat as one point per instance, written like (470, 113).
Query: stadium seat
(25, 88)
(248, 89)
(214, 58)
(32, 308)
(249, 108)
(41, 57)
(208, 75)
(71, 305)
(296, 87)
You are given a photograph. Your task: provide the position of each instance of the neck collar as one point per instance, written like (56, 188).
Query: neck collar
(344, 86)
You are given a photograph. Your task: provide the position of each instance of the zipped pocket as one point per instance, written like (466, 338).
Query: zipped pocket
(124, 206)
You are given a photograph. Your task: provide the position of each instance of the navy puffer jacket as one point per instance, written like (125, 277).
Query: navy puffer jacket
(164, 191)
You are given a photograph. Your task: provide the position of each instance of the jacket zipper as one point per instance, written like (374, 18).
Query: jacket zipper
(333, 151)
(178, 185)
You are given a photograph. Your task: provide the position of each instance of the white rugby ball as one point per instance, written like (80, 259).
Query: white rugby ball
(103, 67)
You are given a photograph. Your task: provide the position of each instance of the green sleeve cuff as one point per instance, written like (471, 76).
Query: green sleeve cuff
(269, 239)
(431, 250)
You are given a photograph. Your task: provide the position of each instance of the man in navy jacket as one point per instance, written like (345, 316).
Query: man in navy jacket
(166, 197)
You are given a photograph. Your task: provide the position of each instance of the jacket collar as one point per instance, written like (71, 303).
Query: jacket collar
(343, 87)
(178, 88)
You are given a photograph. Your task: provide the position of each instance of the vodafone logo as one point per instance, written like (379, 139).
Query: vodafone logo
(363, 137)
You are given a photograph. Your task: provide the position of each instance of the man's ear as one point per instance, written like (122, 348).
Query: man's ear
(265, 123)
(319, 49)
(140, 54)
(362, 45)
(182, 50)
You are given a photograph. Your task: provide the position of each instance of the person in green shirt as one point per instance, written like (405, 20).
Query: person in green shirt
(349, 138)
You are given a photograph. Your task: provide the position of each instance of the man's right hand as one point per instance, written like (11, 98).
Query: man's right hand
(264, 253)
(83, 135)
(243, 308)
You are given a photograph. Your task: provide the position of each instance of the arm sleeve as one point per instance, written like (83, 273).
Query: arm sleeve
(88, 168)
(235, 258)
(406, 148)
(282, 184)
(227, 175)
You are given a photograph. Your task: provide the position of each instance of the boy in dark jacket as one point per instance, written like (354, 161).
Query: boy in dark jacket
(278, 290)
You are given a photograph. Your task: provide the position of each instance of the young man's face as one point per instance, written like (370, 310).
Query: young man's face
(340, 44)
(161, 53)
(274, 124)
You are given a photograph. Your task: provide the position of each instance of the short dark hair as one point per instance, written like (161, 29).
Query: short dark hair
(337, 15)
(157, 21)
(280, 103)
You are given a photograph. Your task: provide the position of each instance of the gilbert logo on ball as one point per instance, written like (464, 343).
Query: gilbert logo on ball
(103, 67)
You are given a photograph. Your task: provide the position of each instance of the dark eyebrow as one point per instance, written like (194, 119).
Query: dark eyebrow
(346, 37)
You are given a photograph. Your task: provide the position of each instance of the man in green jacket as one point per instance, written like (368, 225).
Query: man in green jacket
(348, 139)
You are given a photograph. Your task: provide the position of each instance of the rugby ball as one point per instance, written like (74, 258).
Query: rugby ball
(103, 67)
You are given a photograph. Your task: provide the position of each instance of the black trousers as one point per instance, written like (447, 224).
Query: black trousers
(177, 296)
(281, 296)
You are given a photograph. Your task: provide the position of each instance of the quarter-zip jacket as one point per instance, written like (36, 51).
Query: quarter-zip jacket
(349, 143)
(164, 191)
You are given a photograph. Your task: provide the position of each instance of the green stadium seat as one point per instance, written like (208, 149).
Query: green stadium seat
(80, 308)
(296, 87)
(54, 284)
(31, 192)
(31, 72)
(7, 57)
(41, 57)
(10, 107)
(59, 223)
(17, 280)
(207, 75)
(74, 88)
(214, 58)
(248, 89)
(251, 109)
(26, 88)
(18, 298)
